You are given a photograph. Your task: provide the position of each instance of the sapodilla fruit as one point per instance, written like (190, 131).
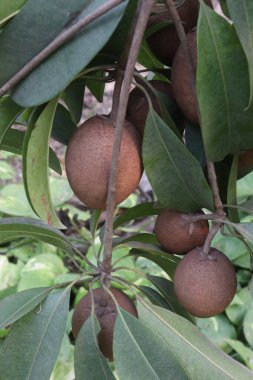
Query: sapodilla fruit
(205, 284)
(106, 313)
(164, 42)
(138, 108)
(178, 233)
(181, 79)
(88, 161)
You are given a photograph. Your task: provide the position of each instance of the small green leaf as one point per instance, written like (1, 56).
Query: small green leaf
(202, 359)
(165, 159)
(241, 13)
(63, 126)
(73, 97)
(137, 344)
(37, 339)
(89, 361)
(35, 166)
(8, 113)
(17, 305)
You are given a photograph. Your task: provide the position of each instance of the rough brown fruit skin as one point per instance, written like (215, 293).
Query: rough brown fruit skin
(181, 79)
(106, 315)
(177, 233)
(88, 161)
(205, 285)
(137, 109)
(164, 42)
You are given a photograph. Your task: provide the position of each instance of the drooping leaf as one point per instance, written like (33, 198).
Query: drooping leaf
(13, 142)
(61, 67)
(135, 343)
(241, 13)
(89, 361)
(166, 288)
(14, 228)
(63, 126)
(202, 359)
(96, 85)
(37, 339)
(35, 166)
(8, 113)
(73, 97)
(165, 159)
(9, 9)
(225, 124)
(17, 305)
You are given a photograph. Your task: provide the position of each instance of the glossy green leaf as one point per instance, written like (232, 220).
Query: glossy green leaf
(73, 97)
(165, 159)
(155, 297)
(14, 52)
(166, 288)
(63, 126)
(13, 142)
(61, 67)
(164, 260)
(8, 113)
(202, 359)
(14, 228)
(241, 13)
(225, 124)
(37, 339)
(35, 166)
(97, 87)
(89, 361)
(245, 352)
(137, 344)
(8, 9)
(17, 305)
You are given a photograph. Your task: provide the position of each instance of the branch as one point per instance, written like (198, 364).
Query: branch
(145, 10)
(63, 37)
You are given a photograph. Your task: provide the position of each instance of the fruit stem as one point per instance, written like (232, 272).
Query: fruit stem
(61, 39)
(210, 165)
(143, 15)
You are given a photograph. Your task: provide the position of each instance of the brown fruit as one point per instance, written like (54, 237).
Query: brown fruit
(106, 314)
(137, 109)
(164, 42)
(88, 161)
(181, 79)
(178, 233)
(205, 285)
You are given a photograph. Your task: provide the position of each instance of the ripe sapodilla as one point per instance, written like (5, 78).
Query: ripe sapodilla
(181, 79)
(106, 314)
(88, 161)
(178, 233)
(205, 284)
(137, 109)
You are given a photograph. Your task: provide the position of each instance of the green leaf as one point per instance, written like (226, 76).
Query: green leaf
(61, 67)
(194, 142)
(94, 222)
(165, 159)
(8, 113)
(9, 9)
(242, 16)
(135, 343)
(63, 126)
(146, 58)
(13, 142)
(35, 166)
(154, 297)
(97, 87)
(245, 229)
(37, 339)
(239, 306)
(14, 228)
(89, 361)
(231, 192)
(245, 352)
(166, 288)
(248, 326)
(225, 125)
(140, 240)
(202, 359)
(73, 97)
(163, 259)
(17, 305)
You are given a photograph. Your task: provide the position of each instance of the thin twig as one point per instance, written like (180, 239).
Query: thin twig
(61, 39)
(145, 10)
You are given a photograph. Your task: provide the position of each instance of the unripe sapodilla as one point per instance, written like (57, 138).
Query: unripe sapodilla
(205, 284)
(88, 161)
(181, 79)
(106, 314)
(178, 233)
